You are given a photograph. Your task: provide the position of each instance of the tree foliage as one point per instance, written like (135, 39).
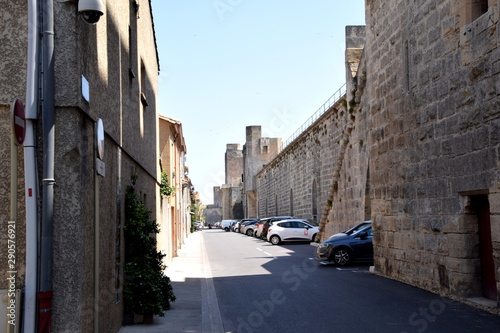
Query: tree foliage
(166, 189)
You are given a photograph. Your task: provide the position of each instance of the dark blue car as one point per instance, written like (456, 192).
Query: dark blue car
(357, 247)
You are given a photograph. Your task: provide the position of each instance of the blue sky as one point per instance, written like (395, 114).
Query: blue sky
(228, 64)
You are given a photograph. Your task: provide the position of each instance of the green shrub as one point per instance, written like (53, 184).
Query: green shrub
(147, 290)
(166, 189)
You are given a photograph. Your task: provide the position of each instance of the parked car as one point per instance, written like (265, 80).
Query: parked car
(291, 231)
(198, 225)
(352, 230)
(245, 223)
(343, 250)
(235, 226)
(227, 224)
(264, 224)
(312, 222)
(250, 228)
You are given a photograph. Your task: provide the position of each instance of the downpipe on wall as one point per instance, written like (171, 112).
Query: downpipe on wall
(30, 171)
(48, 124)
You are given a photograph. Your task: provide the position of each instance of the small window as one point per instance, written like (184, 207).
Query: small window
(472, 9)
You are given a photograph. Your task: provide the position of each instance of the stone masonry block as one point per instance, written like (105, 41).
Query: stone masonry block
(405, 240)
(495, 228)
(494, 199)
(464, 285)
(471, 183)
(461, 265)
(464, 224)
(451, 206)
(442, 242)
(495, 128)
(463, 245)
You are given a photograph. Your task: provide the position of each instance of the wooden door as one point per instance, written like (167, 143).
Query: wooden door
(486, 249)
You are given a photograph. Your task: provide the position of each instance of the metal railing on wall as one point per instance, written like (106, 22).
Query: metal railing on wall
(322, 109)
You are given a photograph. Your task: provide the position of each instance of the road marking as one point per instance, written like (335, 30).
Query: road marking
(269, 254)
(211, 320)
(325, 263)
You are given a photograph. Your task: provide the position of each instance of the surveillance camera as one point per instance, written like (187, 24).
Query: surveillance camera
(91, 10)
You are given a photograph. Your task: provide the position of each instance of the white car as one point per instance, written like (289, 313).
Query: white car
(291, 231)
(226, 225)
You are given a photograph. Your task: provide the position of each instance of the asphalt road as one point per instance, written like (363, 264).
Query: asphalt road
(266, 288)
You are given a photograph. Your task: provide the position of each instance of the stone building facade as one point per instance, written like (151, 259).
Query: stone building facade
(322, 175)
(238, 197)
(418, 147)
(433, 98)
(297, 181)
(213, 212)
(105, 71)
(175, 222)
(232, 205)
(234, 165)
(257, 152)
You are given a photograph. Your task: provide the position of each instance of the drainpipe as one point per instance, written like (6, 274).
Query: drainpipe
(48, 123)
(30, 173)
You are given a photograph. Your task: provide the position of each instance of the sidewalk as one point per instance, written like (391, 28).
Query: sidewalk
(196, 308)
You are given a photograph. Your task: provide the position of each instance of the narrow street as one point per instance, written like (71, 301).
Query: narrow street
(265, 288)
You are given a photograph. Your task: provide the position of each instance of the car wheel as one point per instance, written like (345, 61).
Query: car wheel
(249, 232)
(314, 238)
(341, 257)
(275, 240)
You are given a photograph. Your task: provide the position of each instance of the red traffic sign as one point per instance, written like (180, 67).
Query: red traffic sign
(18, 121)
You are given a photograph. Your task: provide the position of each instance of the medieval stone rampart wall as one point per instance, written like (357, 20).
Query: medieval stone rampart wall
(300, 179)
(323, 174)
(433, 97)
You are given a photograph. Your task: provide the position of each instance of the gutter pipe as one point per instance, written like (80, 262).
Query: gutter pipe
(48, 123)
(30, 171)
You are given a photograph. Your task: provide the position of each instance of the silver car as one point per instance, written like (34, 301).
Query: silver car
(248, 228)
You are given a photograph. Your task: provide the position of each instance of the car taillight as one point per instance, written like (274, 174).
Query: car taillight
(270, 230)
